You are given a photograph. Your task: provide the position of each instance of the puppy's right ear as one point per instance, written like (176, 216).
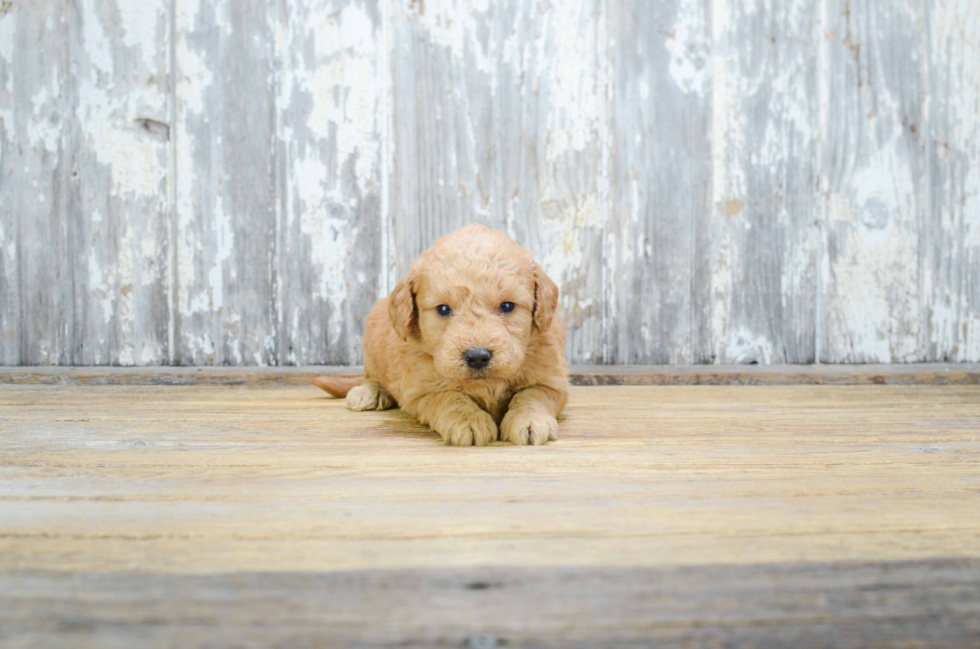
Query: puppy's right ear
(401, 307)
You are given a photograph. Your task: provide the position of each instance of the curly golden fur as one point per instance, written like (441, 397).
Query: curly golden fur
(414, 356)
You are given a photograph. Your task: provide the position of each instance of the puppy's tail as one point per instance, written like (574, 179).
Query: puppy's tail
(336, 386)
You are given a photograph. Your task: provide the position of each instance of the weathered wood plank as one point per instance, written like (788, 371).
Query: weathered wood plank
(9, 197)
(500, 116)
(442, 62)
(227, 244)
(873, 167)
(657, 290)
(36, 237)
(952, 225)
(214, 516)
(329, 106)
(934, 604)
(659, 160)
(119, 210)
(224, 479)
(764, 225)
(658, 286)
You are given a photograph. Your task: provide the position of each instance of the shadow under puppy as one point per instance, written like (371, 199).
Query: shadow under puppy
(468, 343)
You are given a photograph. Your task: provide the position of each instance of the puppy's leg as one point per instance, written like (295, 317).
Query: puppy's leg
(369, 395)
(457, 419)
(532, 417)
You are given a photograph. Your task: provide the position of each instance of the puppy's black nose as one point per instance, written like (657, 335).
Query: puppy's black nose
(477, 358)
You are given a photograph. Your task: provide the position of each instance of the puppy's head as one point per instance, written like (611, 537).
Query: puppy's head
(474, 301)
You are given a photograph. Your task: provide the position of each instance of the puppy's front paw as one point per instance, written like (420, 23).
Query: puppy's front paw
(471, 430)
(363, 397)
(528, 427)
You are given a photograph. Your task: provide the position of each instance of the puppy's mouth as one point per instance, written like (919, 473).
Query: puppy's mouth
(483, 376)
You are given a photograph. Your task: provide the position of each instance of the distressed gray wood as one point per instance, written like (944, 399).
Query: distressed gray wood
(226, 232)
(188, 182)
(874, 171)
(36, 294)
(951, 270)
(9, 219)
(658, 291)
(119, 212)
(764, 225)
(329, 110)
(500, 116)
(932, 603)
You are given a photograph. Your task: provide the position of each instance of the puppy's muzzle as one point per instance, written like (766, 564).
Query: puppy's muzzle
(477, 358)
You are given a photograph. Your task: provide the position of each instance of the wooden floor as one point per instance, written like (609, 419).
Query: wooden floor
(216, 516)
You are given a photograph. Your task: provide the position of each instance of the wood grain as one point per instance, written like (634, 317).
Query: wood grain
(932, 604)
(118, 205)
(217, 479)
(658, 288)
(36, 295)
(764, 226)
(824, 516)
(226, 245)
(235, 183)
(328, 156)
(874, 180)
(951, 268)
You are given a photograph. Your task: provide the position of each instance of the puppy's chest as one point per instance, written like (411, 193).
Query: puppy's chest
(493, 399)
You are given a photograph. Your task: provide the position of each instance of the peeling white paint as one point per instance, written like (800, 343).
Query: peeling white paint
(43, 131)
(193, 75)
(109, 121)
(194, 79)
(327, 238)
(456, 27)
(8, 29)
(334, 103)
(353, 114)
(745, 347)
(688, 48)
(568, 234)
(139, 21)
(187, 244)
(875, 300)
(11, 247)
(94, 40)
(136, 163)
(576, 102)
(726, 182)
(224, 239)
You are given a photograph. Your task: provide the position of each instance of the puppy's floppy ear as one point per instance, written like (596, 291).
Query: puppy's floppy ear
(401, 306)
(545, 298)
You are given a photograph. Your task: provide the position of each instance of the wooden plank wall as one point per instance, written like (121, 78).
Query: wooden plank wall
(236, 182)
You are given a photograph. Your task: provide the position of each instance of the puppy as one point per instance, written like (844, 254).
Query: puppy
(468, 343)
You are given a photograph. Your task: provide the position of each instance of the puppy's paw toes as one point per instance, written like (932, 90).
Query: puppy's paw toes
(523, 427)
(385, 400)
(475, 430)
(363, 397)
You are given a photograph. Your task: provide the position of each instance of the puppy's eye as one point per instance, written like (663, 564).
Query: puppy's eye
(506, 307)
(444, 310)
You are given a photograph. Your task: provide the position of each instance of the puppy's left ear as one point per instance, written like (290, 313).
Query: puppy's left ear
(545, 298)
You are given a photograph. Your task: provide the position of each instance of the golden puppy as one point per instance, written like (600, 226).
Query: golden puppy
(468, 341)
